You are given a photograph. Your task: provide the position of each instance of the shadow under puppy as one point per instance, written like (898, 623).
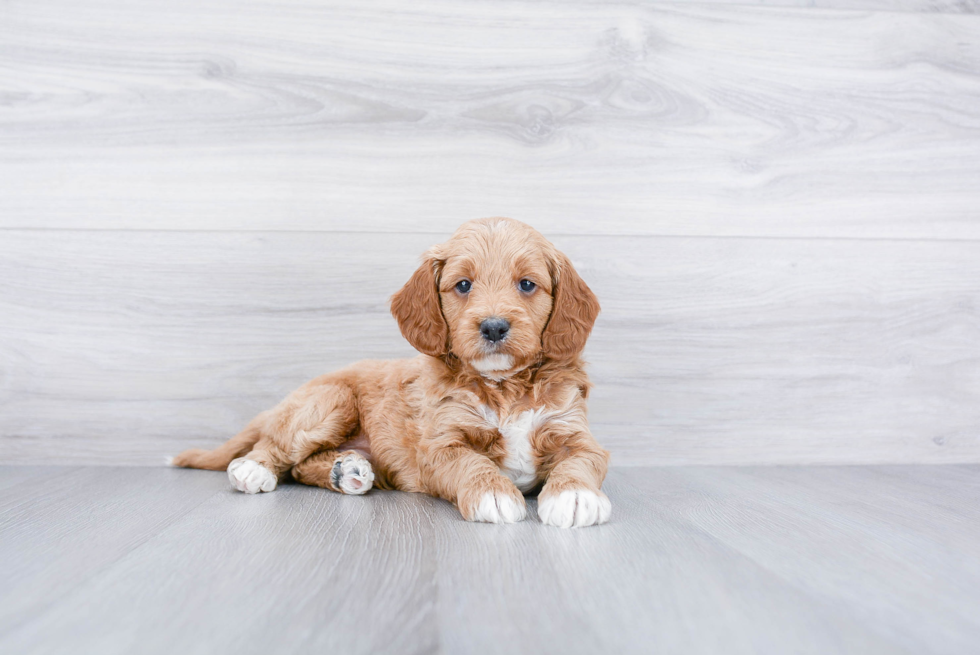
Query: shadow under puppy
(494, 407)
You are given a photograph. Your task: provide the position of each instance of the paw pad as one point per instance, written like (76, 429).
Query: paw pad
(352, 474)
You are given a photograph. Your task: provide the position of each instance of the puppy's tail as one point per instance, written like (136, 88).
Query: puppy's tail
(219, 458)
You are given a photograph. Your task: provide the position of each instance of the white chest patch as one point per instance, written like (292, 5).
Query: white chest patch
(518, 465)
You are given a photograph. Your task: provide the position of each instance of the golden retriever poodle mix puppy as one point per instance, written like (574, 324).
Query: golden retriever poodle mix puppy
(494, 407)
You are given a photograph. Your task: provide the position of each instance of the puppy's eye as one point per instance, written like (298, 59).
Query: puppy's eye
(463, 286)
(527, 286)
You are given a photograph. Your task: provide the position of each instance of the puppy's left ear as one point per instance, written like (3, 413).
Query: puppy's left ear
(417, 310)
(573, 314)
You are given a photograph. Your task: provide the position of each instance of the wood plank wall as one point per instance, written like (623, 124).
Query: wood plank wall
(205, 203)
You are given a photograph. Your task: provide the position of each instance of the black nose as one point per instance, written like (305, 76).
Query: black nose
(494, 329)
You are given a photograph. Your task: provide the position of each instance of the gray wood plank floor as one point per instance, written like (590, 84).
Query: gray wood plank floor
(695, 560)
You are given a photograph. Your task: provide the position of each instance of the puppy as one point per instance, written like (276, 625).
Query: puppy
(495, 406)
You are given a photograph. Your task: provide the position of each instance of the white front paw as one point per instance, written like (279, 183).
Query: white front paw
(498, 508)
(352, 474)
(574, 508)
(251, 477)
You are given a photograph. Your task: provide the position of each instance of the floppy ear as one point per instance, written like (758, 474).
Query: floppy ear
(416, 308)
(573, 314)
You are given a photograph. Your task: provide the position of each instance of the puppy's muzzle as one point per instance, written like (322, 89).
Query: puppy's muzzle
(494, 329)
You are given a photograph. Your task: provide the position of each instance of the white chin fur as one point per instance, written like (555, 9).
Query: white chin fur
(494, 363)
(575, 508)
(499, 508)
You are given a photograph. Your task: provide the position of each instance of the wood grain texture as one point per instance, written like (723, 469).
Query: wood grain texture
(695, 560)
(125, 347)
(61, 527)
(647, 583)
(582, 117)
(228, 564)
(14, 476)
(868, 544)
(927, 6)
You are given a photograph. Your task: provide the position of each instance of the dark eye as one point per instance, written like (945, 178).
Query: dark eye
(527, 285)
(463, 286)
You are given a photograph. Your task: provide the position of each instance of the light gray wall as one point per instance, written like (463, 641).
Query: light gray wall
(205, 203)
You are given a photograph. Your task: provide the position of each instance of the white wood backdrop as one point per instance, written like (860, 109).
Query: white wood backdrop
(204, 203)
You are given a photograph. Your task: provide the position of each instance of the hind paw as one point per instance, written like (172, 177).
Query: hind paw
(352, 474)
(251, 477)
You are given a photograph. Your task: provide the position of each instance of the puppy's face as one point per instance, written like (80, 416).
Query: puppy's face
(498, 296)
(496, 293)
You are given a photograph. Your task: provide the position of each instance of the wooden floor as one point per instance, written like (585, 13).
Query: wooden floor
(696, 560)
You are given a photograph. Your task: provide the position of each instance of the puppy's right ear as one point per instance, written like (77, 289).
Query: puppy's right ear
(417, 310)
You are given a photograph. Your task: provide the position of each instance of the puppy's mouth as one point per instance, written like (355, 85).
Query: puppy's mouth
(493, 347)
(494, 350)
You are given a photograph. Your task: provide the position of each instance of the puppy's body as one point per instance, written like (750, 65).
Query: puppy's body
(495, 407)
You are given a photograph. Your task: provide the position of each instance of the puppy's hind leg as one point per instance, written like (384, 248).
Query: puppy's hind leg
(346, 471)
(313, 418)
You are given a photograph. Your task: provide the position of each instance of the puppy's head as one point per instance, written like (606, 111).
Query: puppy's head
(498, 296)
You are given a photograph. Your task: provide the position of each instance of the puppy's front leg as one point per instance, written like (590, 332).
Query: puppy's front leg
(572, 496)
(474, 483)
